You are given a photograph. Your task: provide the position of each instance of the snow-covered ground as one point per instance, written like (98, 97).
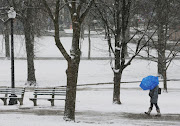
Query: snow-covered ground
(94, 105)
(45, 47)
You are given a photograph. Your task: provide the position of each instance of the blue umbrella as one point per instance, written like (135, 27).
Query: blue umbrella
(149, 82)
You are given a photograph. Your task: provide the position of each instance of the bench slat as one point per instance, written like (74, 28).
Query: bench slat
(19, 92)
(48, 92)
(49, 89)
(12, 88)
(46, 98)
(11, 91)
(9, 97)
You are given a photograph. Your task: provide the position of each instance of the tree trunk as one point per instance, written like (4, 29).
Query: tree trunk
(165, 80)
(89, 40)
(73, 59)
(29, 40)
(116, 93)
(72, 74)
(117, 73)
(120, 52)
(161, 49)
(6, 34)
(127, 39)
(161, 35)
(164, 74)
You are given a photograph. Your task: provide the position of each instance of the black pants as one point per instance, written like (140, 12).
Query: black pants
(156, 105)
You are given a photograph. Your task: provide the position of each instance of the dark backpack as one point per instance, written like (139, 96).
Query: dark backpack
(159, 91)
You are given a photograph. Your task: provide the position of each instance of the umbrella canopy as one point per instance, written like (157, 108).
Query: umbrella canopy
(149, 82)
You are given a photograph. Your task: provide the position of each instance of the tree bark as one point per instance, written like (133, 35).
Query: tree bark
(29, 41)
(165, 80)
(161, 23)
(72, 75)
(89, 40)
(120, 31)
(117, 76)
(161, 49)
(72, 71)
(116, 92)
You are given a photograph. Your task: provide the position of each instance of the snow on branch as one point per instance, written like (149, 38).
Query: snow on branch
(116, 70)
(75, 14)
(1, 19)
(117, 48)
(86, 10)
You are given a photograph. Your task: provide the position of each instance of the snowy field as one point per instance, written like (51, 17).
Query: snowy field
(45, 47)
(94, 103)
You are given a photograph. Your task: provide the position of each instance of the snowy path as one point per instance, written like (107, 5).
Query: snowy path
(94, 108)
(91, 118)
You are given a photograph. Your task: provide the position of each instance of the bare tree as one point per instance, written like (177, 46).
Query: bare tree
(166, 13)
(165, 18)
(89, 22)
(3, 19)
(115, 16)
(78, 11)
(27, 14)
(6, 38)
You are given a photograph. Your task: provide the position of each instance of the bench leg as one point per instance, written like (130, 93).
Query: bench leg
(4, 100)
(52, 101)
(34, 101)
(20, 101)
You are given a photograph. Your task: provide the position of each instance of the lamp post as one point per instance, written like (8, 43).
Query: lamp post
(12, 15)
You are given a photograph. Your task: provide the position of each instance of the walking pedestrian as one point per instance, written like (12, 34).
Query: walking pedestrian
(154, 101)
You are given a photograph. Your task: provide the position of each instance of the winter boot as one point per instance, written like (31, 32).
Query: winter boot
(158, 112)
(149, 111)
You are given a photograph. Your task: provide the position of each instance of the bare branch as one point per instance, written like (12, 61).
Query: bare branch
(86, 11)
(138, 50)
(48, 9)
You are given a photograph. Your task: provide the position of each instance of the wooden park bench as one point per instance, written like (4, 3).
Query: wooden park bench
(12, 93)
(48, 94)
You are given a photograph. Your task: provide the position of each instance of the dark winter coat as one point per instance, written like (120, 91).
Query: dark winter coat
(154, 95)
